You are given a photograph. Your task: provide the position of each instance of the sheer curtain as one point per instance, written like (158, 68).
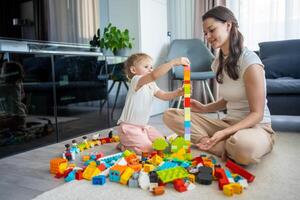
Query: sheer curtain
(267, 20)
(185, 22)
(181, 19)
(73, 21)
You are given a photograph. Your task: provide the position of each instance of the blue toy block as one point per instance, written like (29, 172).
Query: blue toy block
(166, 165)
(229, 176)
(93, 157)
(71, 176)
(187, 124)
(99, 180)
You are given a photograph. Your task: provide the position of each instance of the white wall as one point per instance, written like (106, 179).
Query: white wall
(125, 14)
(154, 40)
(146, 21)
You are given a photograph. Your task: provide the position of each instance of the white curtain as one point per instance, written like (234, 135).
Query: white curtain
(73, 21)
(185, 22)
(201, 7)
(181, 18)
(267, 20)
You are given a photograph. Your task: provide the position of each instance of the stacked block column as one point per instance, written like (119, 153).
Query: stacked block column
(187, 102)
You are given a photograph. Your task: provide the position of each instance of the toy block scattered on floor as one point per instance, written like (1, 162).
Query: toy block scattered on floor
(170, 163)
(235, 168)
(171, 174)
(54, 164)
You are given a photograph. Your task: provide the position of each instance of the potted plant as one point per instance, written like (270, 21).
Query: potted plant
(115, 40)
(95, 42)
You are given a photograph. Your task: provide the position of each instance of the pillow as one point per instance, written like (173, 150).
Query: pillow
(281, 58)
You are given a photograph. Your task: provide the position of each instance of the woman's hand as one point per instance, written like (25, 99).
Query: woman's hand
(180, 61)
(209, 143)
(196, 106)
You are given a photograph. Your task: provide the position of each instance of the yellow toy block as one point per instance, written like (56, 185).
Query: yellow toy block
(116, 138)
(127, 153)
(180, 154)
(62, 167)
(232, 188)
(156, 160)
(191, 178)
(148, 167)
(126, 175)
(91, 171)
(187, 114)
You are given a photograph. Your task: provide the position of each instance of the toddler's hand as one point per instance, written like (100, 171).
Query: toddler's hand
(180, 61)
(180, 91)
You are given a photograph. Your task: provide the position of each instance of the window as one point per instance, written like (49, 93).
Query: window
(266, 20)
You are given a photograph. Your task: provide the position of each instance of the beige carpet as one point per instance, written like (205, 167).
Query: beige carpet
(277, 177)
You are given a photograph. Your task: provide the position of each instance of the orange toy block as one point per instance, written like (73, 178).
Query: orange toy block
(55, 163)
(158, 190)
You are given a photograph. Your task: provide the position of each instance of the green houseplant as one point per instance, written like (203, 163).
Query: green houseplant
(115, 39)
(95, 42)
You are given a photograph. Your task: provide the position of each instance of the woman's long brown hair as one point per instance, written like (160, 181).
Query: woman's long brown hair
(236, 40)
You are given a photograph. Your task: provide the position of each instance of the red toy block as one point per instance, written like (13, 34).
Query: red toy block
(161, 183)
(78, 175)
(59, 175)
(187, 102)
(99, 155)
(239, 170)
(101, 167)
(153, 154)
(179, 185)
(187, 82)
(222, 178)
(66, 173)
(197, 160)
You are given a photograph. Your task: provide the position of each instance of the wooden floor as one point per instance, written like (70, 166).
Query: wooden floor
(26, 175)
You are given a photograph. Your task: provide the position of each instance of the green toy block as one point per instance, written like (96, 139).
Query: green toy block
(160, 144)
(171, 174)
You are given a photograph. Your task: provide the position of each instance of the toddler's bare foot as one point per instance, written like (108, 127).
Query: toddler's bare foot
(120, 147)
(224, 156)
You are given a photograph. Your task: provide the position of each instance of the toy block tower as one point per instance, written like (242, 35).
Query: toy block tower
(187, 102)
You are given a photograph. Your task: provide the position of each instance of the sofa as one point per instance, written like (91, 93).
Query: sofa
(282, 71)
(76, 80)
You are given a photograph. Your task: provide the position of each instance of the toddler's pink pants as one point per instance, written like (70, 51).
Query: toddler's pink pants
(137, 138)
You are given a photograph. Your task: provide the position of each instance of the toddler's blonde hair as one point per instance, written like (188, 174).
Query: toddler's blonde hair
(132, 61)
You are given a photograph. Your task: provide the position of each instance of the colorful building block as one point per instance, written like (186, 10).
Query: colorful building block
(99, 180)
(115, 172)
(235, 168)
(171, 174)
(232, 188)
(126, 175)
(55, 163)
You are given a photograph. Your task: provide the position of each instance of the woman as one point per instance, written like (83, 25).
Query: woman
(245, 134)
